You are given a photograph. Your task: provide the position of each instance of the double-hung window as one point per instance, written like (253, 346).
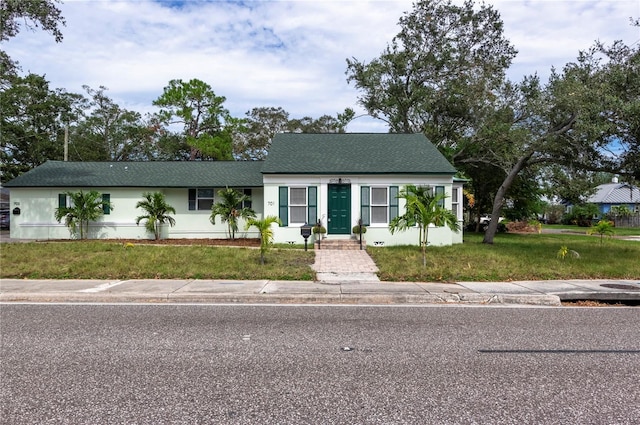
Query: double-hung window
(455, 202)
(298, 205)
(379, 204)
(201, 199)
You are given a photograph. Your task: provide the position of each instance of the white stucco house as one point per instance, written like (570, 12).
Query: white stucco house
(335, 178)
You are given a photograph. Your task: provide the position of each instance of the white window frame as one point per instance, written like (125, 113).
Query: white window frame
(292, 205)
(205, 198)
(384, 205)
(455, 202)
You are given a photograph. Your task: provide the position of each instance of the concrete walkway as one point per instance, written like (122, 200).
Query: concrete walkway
(339, 266)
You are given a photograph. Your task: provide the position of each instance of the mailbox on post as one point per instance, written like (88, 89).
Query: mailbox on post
(305, 231)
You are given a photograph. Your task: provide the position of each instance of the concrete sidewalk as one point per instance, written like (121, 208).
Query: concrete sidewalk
(545, 293)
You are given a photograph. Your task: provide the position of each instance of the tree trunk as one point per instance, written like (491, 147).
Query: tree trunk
(499, 198)
(424, 246)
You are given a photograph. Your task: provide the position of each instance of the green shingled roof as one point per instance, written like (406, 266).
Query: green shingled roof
(142, 174)
(290, 153)
(354, 153)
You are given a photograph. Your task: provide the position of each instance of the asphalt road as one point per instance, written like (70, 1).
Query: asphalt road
(161, 364)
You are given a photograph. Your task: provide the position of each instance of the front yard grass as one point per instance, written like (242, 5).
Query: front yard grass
(512, 257)
(104, 260)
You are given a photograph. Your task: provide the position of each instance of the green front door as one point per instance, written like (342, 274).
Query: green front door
(339, 221)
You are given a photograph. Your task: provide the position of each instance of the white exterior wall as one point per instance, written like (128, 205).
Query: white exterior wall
(377, 234)
(38, 205)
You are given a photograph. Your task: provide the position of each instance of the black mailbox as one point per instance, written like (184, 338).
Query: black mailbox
(16, 211)
(305, 231)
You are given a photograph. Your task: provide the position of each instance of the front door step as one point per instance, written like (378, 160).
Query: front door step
(341, 244)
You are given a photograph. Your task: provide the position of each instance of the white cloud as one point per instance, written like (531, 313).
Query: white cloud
(551, 33)
(279, 53)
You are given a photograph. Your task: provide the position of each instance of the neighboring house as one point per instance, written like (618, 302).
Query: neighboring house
(4, 198)
(5, 217)
(616, 194)
(334, 178)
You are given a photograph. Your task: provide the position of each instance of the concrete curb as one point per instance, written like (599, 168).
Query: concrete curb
(600, 296)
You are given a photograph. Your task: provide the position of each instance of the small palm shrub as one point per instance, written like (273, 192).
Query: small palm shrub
(603, 228)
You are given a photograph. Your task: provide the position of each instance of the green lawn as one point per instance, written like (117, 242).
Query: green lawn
(512, 257)
(108, 260)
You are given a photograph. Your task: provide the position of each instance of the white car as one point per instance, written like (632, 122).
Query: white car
(485, 219)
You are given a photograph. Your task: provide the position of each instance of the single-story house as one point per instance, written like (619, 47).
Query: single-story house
(616, 194)
(334, 178)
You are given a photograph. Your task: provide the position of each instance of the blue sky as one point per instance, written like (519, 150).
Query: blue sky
(290, 54)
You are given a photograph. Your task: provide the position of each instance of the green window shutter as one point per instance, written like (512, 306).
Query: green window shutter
(393, 202)
(62, 200)
(283, 203)
(106, 199)
(365, 203)
(440, 191)
(312, 203)
(192, 199)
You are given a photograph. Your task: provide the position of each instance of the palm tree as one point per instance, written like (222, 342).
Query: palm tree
(157, 211)
(423, 208)
(266, 232)
(230, 209)
(603, 228)
(84, 207)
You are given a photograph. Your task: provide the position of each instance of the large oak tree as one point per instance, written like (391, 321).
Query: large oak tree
(32, 14)
(443, 75)
(438, 71)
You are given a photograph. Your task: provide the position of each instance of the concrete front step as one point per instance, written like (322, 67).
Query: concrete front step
(340, 244)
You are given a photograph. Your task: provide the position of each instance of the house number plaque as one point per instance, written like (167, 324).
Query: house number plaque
(339, 181)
